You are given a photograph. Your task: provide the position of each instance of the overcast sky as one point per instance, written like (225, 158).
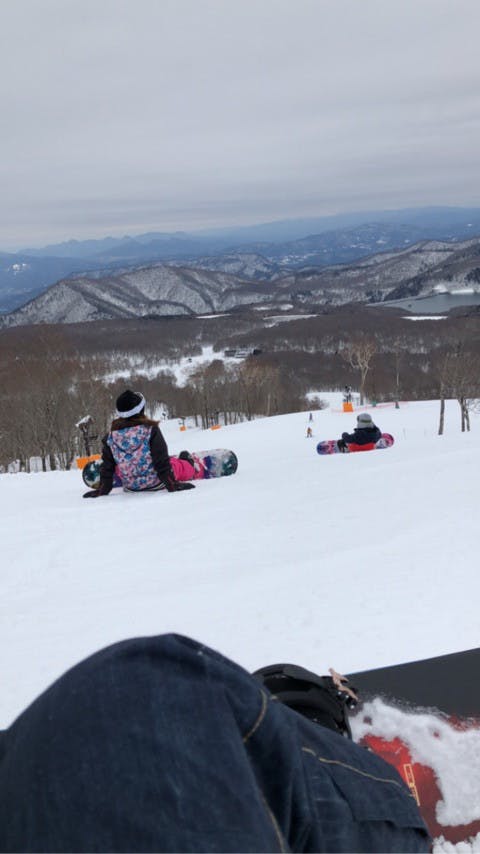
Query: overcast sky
(123, 116)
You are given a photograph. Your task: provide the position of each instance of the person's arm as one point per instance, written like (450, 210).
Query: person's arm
(160, 457)
(348, 437)
(107, 470)
(161, 462)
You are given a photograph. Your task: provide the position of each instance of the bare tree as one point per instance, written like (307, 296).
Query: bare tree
(458, 378)
(359, 353)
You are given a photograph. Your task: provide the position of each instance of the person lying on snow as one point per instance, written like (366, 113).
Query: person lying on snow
(162, 744)
(365, 433)
(135, 446)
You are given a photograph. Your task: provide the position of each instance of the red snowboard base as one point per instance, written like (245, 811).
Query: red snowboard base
(330, 446)
(425, 787)
(423, 717)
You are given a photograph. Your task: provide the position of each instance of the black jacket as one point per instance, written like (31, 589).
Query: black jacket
(158, 450)
(362, 435)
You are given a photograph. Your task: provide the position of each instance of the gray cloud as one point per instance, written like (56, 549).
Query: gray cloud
(123, 116)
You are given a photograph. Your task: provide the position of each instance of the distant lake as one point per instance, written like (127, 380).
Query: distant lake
(436, 304)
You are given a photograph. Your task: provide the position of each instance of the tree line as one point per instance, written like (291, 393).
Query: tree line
(44, 401)
(52, 381)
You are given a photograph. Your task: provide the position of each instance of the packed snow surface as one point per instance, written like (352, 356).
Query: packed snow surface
(355, 561)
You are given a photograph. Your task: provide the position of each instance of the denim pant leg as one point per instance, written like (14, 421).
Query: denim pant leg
(141, 747)
(161, 744)
(358, 801)
(327, 793)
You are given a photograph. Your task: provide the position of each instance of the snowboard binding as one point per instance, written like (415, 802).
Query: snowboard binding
(324, 700)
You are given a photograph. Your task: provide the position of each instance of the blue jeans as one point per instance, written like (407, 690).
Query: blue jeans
(161, 744)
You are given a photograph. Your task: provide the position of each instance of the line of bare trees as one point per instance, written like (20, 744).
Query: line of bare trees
(227, 395)
(459, 378)
(51, 385)
(40, 404)
(42, 401)
(455, 368)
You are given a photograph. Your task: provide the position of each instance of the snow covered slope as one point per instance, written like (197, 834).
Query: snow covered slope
(353, 561)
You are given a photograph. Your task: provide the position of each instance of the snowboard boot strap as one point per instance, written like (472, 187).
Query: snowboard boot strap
(324, 700)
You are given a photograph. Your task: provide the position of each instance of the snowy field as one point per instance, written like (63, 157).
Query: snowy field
(355, 561)
(180, 368)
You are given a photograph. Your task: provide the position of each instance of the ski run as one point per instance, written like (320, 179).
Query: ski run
(356, 561)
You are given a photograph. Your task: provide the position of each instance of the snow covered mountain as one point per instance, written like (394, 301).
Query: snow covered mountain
(339, 239)
(221, 284)
(247, 265)
(145, 292)
(23, 277)
(415, 271)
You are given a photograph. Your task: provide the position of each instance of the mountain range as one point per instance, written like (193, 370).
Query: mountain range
(229, 282)
(285, 246)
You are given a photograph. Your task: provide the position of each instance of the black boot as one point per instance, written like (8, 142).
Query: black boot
(325, 700)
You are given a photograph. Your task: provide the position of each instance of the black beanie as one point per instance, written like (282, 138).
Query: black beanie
(130, 403)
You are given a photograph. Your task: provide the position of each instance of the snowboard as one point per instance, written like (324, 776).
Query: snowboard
(424, 718)
(330, 446)
(218, 462)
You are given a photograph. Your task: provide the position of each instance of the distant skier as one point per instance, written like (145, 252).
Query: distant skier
(347, 394)
(135, 446)
(366, 433)
(309, 433)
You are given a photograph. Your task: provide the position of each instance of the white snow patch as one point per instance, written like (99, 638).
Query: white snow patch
(282, 307)
(425, 317)
(273, 320)
(470, 845)
(180, 368)
(432, 742)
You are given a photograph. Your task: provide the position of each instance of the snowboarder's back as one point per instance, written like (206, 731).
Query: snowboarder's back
(365, 433)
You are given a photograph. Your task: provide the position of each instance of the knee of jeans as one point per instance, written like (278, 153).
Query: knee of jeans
(247, 699)
(186, 671)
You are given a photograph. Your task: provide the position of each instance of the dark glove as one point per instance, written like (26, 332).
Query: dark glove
(176, 485)
(92, 493)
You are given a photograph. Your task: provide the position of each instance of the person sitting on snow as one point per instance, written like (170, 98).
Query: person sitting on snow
(136, 448)
(365, 433)
(162, 744)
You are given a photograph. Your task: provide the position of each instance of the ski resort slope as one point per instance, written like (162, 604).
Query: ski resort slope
(355, 561)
